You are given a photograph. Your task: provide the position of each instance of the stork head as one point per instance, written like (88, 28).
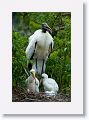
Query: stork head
(32, 72)
(45, 28)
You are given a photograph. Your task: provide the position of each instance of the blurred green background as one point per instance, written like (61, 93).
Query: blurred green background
(58, 65)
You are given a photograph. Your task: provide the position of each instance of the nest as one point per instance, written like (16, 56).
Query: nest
(20, 96)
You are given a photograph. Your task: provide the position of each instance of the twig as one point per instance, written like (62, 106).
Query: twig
(26, 72)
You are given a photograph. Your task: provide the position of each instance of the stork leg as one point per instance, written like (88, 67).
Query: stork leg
(42, 66)
(36, 64)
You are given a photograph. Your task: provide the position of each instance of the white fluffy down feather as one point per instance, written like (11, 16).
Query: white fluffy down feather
(50, 85)
(32, 82)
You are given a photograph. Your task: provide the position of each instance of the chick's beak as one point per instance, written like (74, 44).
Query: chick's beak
(33, 75)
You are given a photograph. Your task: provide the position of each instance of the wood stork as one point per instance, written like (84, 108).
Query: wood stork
(50, 85)
(32, 82)
(39, 48)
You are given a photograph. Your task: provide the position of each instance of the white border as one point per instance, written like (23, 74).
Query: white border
(76, 104)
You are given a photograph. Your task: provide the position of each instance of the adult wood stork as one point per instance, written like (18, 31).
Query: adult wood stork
(32, 82)
(39, 48)
(50, 85)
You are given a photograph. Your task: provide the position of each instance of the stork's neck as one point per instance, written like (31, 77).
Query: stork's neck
(44, 30)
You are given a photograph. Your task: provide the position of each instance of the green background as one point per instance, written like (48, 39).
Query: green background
(59, 63)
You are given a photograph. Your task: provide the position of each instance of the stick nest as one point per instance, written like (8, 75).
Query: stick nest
(23, 96)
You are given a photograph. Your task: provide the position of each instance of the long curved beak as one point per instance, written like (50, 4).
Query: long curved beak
(49, 29)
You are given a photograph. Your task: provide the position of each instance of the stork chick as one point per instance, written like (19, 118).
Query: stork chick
(50, 85)
(32, 82)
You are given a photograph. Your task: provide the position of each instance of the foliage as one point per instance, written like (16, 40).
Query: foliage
(59, 62)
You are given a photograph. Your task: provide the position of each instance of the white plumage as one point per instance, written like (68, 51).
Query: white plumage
(32, 82)
(39, 47)
(50, 85)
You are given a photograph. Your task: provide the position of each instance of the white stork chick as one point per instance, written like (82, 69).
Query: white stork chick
(39, 48)
(50, 85)
(32, 82)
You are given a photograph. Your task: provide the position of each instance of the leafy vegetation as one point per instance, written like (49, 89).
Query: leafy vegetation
(59, 62)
